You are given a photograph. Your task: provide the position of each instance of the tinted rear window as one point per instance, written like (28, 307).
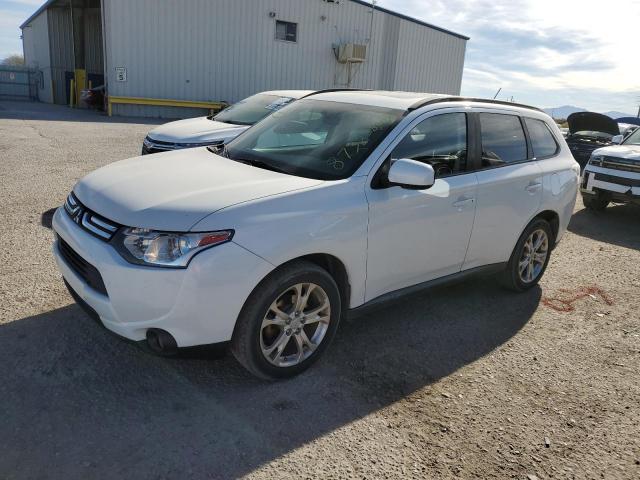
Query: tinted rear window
(503, 139)
(542, 141)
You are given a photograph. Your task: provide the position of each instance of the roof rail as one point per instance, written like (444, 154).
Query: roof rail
(329, 90)
(423, 103)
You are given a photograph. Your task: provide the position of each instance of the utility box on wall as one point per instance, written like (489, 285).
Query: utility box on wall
(352, 53)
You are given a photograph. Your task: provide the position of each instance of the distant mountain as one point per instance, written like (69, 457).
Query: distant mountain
(615, 114)
(563, 112)
(566, 110)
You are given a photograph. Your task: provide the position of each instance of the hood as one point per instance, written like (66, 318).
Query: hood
(591, 121)
(626, 152)
(196, 130)
(173, 191)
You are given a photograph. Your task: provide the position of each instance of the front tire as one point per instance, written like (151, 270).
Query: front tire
(288, 321)
(530, 257)
(597, 202)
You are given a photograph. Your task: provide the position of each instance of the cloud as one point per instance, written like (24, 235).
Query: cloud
(542, 51)
(12, 14)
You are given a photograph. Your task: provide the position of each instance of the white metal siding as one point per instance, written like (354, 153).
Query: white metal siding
(35, 42)
(429, 61)
(226, 50)
(93, 61)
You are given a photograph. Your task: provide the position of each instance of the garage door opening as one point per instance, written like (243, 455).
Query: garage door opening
(63, 40)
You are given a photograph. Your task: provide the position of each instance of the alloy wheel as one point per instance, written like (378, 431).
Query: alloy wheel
(534, 255)
(295, 324)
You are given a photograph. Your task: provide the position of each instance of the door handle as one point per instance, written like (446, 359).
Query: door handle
(533, 187)
(462, 202)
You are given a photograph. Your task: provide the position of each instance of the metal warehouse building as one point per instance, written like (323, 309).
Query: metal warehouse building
(156, 56)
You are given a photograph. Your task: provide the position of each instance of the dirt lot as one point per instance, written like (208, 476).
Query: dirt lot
(466, 381)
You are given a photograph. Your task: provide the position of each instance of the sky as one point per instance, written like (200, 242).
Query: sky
(546, 53)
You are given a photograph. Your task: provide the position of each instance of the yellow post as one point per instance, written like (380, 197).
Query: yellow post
(80, 76)
(108, 106)
(72, 91)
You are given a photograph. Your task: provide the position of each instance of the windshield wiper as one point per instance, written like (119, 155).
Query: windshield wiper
(234, 122)
(261, 164)
(222, 151)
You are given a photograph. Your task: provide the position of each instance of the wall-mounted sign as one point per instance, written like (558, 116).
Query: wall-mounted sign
(121, 74)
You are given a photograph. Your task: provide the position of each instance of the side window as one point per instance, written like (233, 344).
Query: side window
(542, 141)
(440, 141)
(503, 139)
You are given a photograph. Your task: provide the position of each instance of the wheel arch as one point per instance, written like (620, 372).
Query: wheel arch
(336, 268)
(554, 220)
(332, 264)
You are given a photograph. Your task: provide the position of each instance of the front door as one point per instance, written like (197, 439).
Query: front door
(419, 235)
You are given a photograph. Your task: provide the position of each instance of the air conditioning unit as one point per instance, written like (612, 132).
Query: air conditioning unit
(352, 53)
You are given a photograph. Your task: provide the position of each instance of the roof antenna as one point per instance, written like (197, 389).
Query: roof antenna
(497, 93)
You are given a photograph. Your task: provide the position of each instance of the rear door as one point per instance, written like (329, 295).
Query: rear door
(509, 187)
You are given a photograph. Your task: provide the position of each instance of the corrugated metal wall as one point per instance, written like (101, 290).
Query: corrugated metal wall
(93, 59)
(35, 43)
(226, 50)
(60, 50)
(426, 56)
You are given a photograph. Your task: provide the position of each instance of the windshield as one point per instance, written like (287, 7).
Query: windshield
(251, 110)
(315, 139)
(633, 139)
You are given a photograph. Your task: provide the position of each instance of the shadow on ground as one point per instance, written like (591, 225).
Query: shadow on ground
(617, 225)
(46, 219)
(79, 403)
(17, 110)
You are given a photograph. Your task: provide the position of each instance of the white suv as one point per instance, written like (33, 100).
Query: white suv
(613, 174)
(220, 128)
(337, 202)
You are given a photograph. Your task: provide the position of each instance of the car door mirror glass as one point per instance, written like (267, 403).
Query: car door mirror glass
(411, 174)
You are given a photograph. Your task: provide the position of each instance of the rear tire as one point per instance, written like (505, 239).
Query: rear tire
(530, 257)
(597, 202)
(288, 321)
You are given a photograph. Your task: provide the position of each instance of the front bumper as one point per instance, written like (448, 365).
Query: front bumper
(621, 185)
(197, 305)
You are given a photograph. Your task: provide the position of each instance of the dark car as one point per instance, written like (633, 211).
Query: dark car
(588, 131)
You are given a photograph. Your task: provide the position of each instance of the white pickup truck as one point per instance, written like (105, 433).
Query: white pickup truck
(613, 174)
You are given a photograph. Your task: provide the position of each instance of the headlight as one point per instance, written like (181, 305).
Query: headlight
(166, 249)
(147, 143)
(596, 160)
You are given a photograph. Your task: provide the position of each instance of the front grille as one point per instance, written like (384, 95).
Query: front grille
(157, 146)
(581, 152)
(624, 164)
(627, 182)
(84, 269)
(93, 223)
(150, 146)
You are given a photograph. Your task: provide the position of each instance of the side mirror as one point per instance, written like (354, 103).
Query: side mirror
(617, 140)
(411, 174)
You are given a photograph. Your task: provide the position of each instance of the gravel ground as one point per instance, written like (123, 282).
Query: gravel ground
(465, 381)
